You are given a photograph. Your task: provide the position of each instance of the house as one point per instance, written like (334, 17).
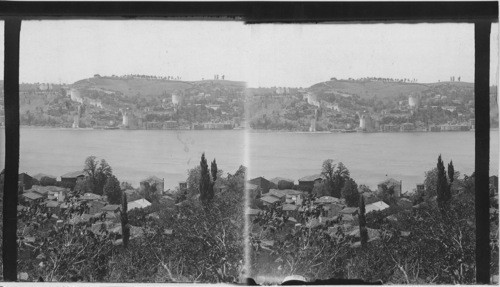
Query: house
(349, 211)
(376, 206)
(71, 178)
(52, 207)
(32, 197)
(25, 181)
(41, 190)
(307, 182)
(327, 200)
(280, 194)
(290, 209)
(331, 210)
(111, 208)
(268, 200)
(263, 183)
(390, 184)
(282, 183)
(95, 206)
(140, 204)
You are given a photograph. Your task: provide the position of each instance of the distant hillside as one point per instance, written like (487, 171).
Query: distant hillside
(380, 89)
(132, 86)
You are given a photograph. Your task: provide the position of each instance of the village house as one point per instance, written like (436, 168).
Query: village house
(263, 183)
(115, 208)
(376, 206)
(32, 198)
(52, 207)
(139, 204)
(95, 206)
(331, 210)
(71, 178)
(307, 182)
(252, 190)
(390, 184)
(290, 210)
(269, 200)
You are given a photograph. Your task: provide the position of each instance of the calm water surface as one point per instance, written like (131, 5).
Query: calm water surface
(135, 155)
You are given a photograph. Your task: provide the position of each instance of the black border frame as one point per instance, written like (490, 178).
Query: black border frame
(482, 14)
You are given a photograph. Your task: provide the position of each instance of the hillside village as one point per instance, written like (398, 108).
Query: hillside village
(133, 102)
(292, 226)
(66, 221)
(368, 105)
(338, 105)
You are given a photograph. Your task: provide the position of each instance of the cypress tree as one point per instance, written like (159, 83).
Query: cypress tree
(363, 232)
(213, 170)
(451, 174)
(206, 190)
(442, 188)
(124, 221)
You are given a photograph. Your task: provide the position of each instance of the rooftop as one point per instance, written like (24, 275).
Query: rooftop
(269, 199)
(140, 203)
(312, 177)
(73, 174)
(376, 206)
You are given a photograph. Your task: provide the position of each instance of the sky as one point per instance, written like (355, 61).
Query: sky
(294, 55)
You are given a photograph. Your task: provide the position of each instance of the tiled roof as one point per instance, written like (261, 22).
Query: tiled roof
(32, 195)
(73, 174)
(376, 206)
(311, 177)
(140, 203)
(289, 207)
(110, 207)
(269, 199)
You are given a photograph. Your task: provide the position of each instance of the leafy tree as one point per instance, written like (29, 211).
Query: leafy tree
(47, 181)
(97, 173)
(193, 181)
(340, 177)
(112, 190)
(124, 221)
(328, 171)
(206, 190)
(320, 189)
(350, 193)
(363, 232)
(104, 171)
(83, 186)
